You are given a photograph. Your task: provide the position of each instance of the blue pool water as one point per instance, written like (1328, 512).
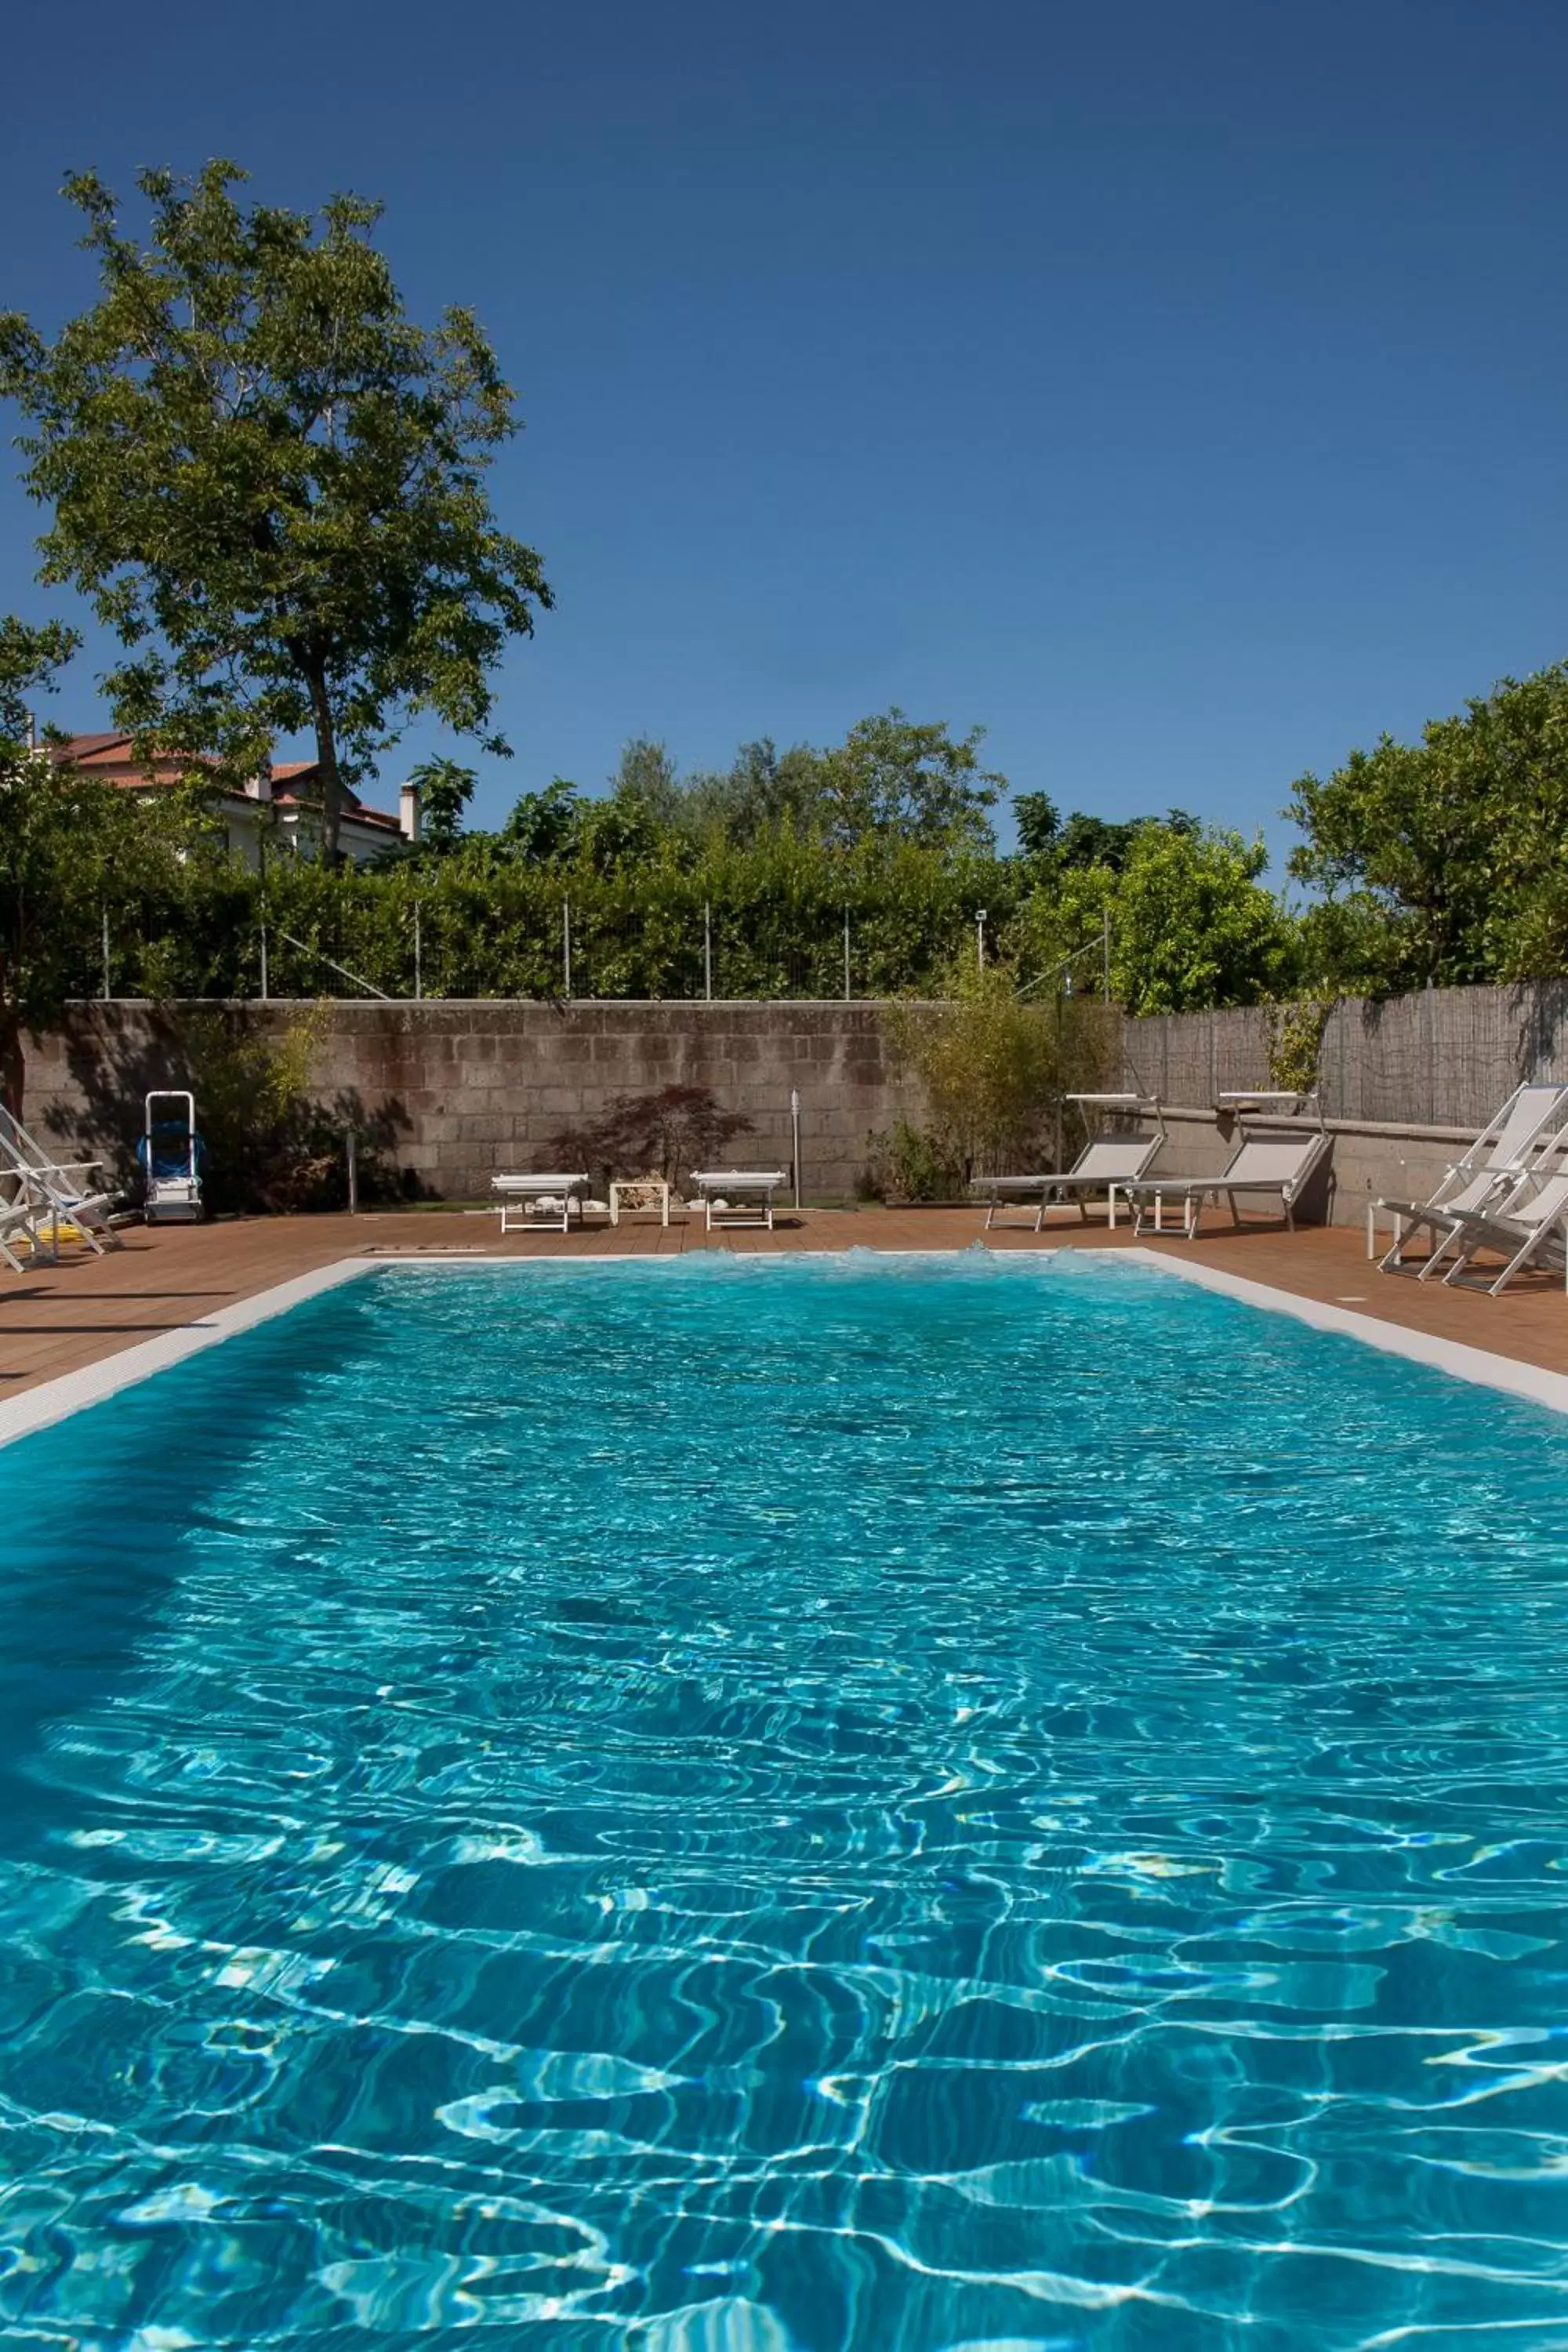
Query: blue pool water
(736, 1807)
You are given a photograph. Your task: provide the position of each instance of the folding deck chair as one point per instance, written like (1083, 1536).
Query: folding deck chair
(1527, 1227)
(60, 1191)
(1107, 1163)
(1489, 1169)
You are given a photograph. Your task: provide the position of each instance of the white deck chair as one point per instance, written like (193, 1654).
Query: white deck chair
(1260, 1164)
(1482, 1176)
(63, 1192)
(1106, 1164)
(16, 1224)
(1530, 1223)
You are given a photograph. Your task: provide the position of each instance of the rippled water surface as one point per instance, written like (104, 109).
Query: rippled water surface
(741, 1807)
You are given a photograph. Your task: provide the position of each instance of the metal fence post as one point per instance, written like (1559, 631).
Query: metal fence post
(706, 953)
(264, 959)
(106, 951)
(846, 955)
(419, 957)
(566, 942)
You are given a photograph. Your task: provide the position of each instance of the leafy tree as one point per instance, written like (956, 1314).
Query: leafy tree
(647, 777)
(1446, 859)
(1191, 923)
(445, 791)
(893, 775)
(70, 848)
(270, 482)
(1039, 824)
(762, 790)
(546, 826)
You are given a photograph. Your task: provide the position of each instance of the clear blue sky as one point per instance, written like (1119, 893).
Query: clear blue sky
(1176, 390)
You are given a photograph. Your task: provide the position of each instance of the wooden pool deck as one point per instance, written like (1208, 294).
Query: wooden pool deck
(61, 1318)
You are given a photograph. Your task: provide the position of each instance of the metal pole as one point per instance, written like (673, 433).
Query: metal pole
(980, 940)
(566, 942)
(795, 1140)
(1105, 948)
(264, 959)
(706, 953)
(350, 1154)
(846, 955)
(419, 956)
(106, 951)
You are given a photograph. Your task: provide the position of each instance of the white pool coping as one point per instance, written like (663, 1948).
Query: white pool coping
(55, 1401)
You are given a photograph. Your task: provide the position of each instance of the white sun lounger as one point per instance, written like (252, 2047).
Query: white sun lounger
(62, 1194)
(737, 1196)
(1260, 1164)
(1483, 1176)
(1105, 1163)
(550, 1196)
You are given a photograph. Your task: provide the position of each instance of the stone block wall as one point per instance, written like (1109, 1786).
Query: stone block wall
(451, 1092)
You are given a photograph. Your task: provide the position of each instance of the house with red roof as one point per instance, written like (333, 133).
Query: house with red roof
(279, 811)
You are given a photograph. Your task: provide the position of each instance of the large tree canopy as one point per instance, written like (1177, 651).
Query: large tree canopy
(271, 482)
(1446, 859)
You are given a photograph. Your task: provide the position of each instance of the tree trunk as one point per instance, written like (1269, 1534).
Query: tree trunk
(327, 764)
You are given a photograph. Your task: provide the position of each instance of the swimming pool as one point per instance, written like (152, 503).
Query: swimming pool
(732, 1806)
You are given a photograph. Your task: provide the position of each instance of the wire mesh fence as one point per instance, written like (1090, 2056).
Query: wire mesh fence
(463, 942)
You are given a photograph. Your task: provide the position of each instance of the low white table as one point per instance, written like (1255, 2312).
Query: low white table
(631, 1193)
(737, 1196)
(518, 1192)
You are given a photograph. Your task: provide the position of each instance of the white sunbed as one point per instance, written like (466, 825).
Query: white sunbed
(1482, 1176)
(737, 1196)
(550, 1196)
(1106, 1164)
(1284, 1164)
(62, 1192)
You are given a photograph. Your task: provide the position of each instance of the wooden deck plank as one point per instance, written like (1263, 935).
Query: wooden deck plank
(55, 1319)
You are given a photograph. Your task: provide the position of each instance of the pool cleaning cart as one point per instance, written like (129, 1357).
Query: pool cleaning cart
(170, 1156)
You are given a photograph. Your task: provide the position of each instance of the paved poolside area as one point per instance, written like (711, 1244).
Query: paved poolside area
(58, 1319)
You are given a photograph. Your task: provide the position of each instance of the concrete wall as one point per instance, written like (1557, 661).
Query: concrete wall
(450, 1092)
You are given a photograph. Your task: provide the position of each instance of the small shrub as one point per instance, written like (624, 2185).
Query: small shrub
(665, 1133)
(1295, 1030)
(911, 1163)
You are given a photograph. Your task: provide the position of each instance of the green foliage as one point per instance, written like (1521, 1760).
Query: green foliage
(1295, 1030)
(72, 850)
(445, 791)
(993, 1069)
(1191, 923)
(913, 1163)
(1447, 859)
(270, 482)
(665, 1133)
(271, 1146)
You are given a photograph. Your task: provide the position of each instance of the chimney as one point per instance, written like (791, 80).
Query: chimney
(408, 812)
